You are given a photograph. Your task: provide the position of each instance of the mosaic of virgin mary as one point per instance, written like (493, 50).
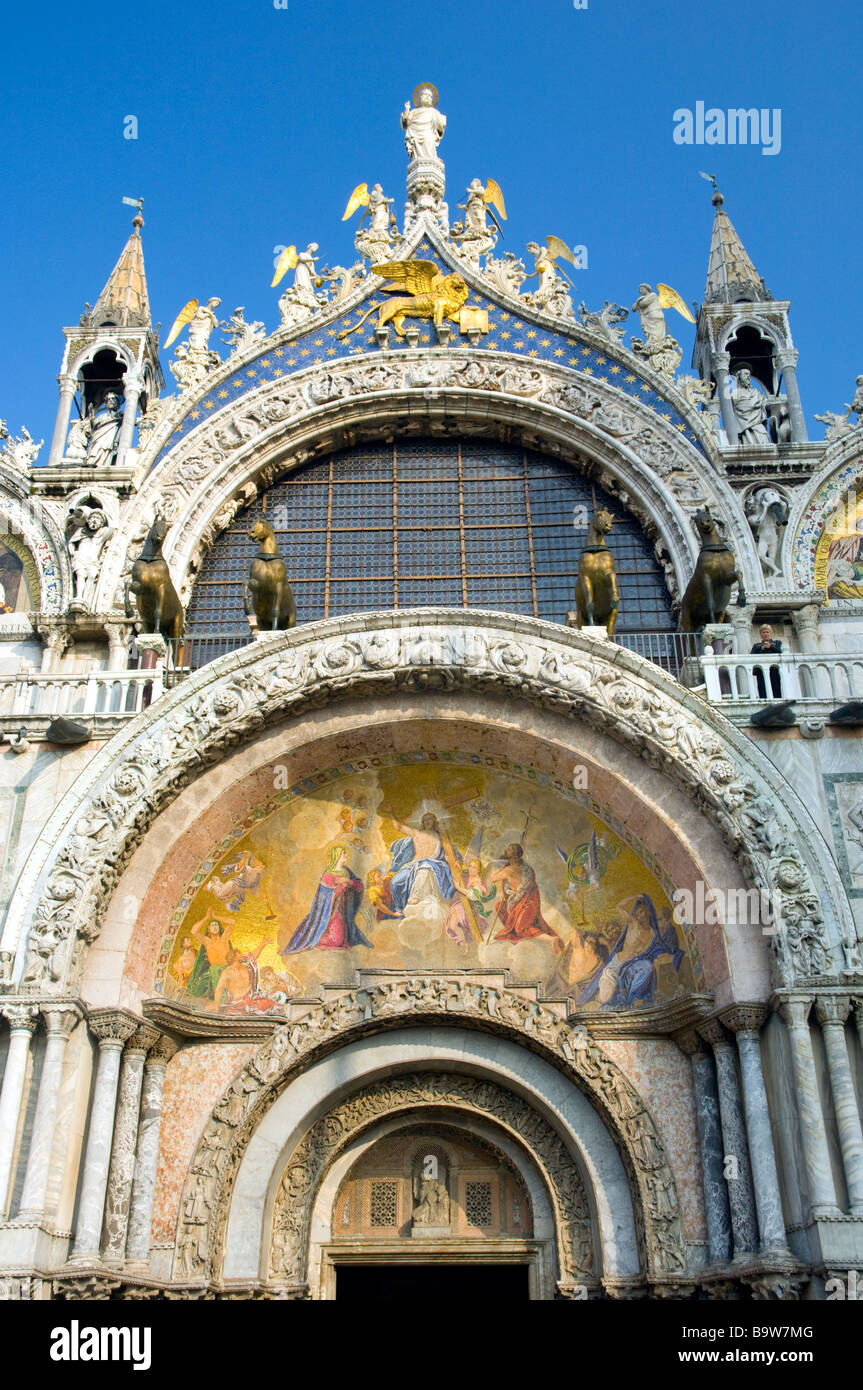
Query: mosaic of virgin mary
(330, 924)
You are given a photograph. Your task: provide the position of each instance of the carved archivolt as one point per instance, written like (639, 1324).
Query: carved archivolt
(324, 1141)
(295, 1045)
(49, 562)
(68, 878)
(208, 476)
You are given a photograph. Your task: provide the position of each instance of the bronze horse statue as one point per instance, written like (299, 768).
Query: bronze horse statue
(151, 586)
(268, 594)
(596, 596)
(709, 589)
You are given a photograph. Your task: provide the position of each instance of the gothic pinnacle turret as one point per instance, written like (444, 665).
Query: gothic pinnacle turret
(731, 276)
(124, 301)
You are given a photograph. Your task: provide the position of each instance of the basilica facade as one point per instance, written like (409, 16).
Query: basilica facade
(432, 786)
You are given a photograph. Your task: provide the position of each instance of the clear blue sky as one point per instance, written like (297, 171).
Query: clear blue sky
(255, 123)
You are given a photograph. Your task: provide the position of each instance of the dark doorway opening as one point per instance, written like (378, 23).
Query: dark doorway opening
(399, 1282)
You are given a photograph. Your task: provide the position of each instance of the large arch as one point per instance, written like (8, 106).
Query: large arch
(431, 1024)
(68, 878)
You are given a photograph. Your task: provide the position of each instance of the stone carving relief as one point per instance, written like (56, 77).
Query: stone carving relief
(206, 1196)
(326, 1139)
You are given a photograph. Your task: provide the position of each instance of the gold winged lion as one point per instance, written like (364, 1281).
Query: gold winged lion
(430, 295)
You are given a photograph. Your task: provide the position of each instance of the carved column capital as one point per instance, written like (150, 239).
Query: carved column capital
(142, 1040)
(162, 1051)
(21, 1017)
(67, 383)
(720, 361)
(806, 619)
(786, 357)
(832, 1008)
(689, 1042)
(745, 1018)
(61, 1017)
(112, 1026)
(712, 1031)
(795, 1012)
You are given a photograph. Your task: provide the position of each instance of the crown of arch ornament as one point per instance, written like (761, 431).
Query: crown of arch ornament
(205, 1203)
(218, 468)
(66, 883)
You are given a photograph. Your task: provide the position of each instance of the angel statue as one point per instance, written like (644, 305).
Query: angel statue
(423, 124)
(194, 359)
(474, 236)
(429, 295)
(301, 299)
(375, 241)
(657, 347)
(551, 293)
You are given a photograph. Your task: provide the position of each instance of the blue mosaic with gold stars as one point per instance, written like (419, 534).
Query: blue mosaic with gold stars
(507, 333)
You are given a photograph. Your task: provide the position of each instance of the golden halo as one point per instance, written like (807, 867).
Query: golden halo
(421, 88)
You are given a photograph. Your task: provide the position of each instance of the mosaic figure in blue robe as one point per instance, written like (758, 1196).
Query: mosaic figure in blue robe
(634, 976)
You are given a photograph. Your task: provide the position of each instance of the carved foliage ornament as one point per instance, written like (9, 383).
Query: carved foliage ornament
(235, 696)
(207, 1193)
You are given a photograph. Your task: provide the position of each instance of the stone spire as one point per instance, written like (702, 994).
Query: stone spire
(124, 301)
(731, 276)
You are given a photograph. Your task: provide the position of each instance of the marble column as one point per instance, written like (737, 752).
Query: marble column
(738, 1183)
(132, 391)
(119, 636)
(146, 1158)
(721, 363)
(832, 1011)
(741, 619)
(816, 1156)
(112, 1027)
(857, 1006)
(68, 387)
(122, 1168)
(746, 1020)
(786, 360)
(22, 1020)
(710, 1143)
(60, 1020)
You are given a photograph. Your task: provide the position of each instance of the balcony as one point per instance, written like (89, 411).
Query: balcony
(819, 682)
(103, 700)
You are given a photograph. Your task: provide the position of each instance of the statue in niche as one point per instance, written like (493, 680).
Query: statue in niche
(750, 411)
(89, 533)
(422, 123)
(103, 428)
(767, 512)
(431, 1198)
(77, 441)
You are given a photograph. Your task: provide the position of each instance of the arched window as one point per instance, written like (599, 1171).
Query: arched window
(420, 523)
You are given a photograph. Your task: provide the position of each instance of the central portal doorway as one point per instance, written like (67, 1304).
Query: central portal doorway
(400, 1282)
